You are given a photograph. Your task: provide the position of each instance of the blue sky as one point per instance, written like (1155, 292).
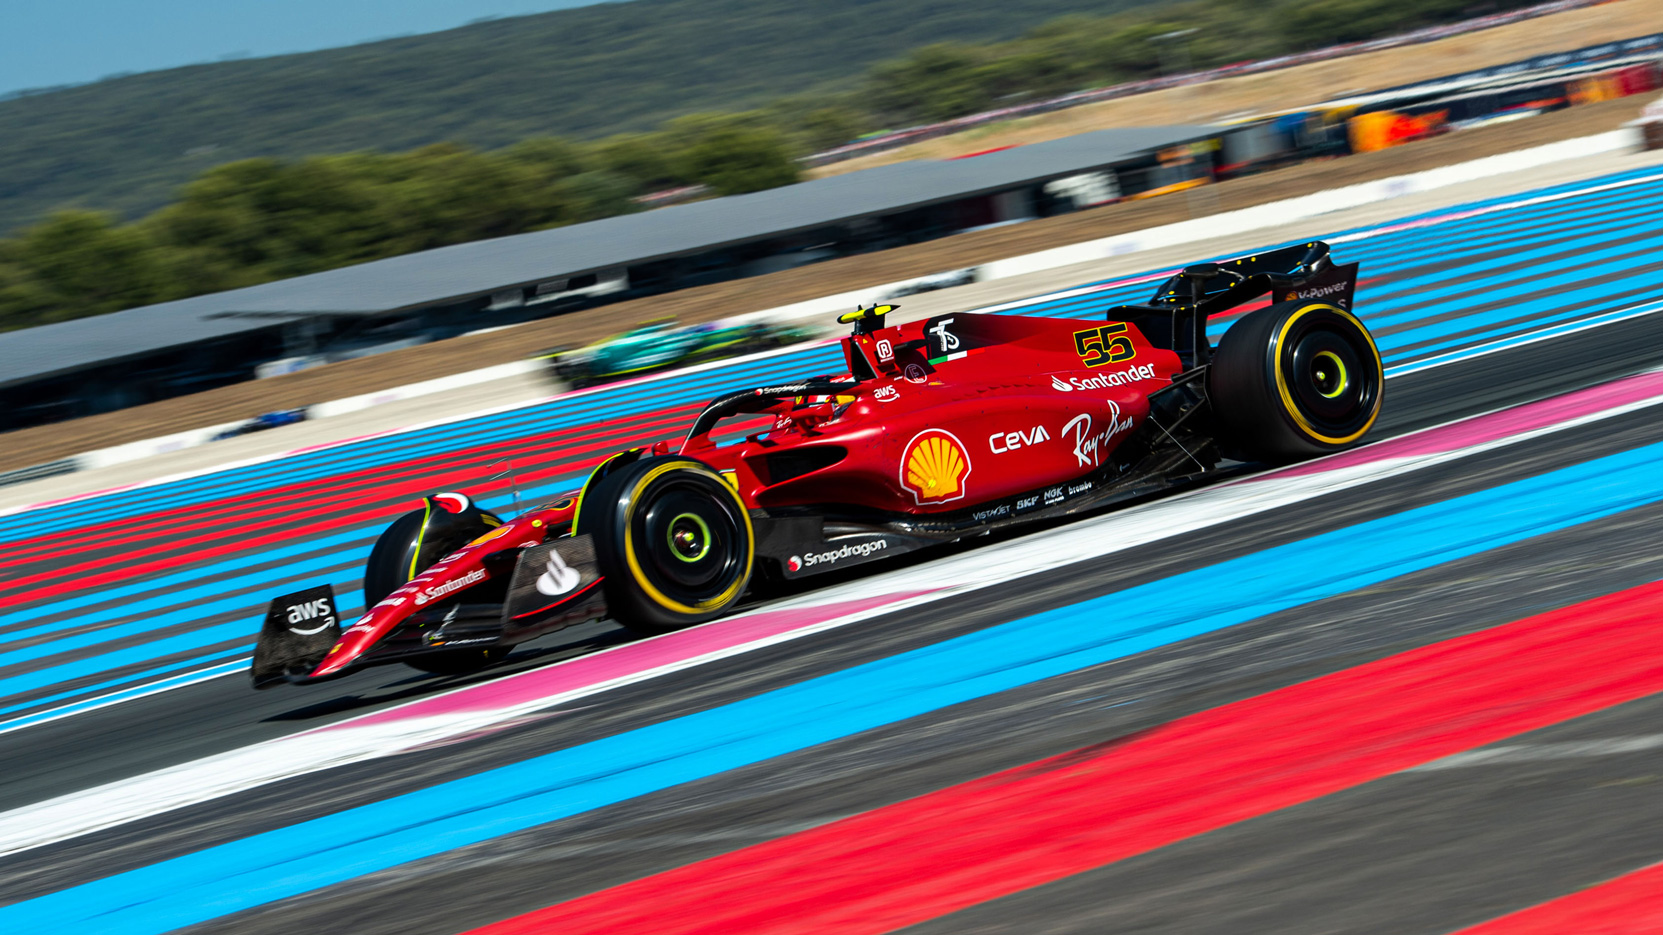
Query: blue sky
(51, 42)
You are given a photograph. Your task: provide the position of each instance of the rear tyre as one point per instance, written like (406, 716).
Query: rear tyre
(673, 540)
(1294, 381)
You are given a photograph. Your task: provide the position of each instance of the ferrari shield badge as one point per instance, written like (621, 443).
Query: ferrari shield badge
(934, 467)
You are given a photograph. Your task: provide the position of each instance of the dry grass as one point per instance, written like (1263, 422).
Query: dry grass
(706, 303)
(1298, 87)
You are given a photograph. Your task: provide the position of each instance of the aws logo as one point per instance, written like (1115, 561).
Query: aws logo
(934, 467)
(322, 608)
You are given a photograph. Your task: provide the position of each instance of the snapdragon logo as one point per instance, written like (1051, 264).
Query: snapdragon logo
(850, 550)
(1103, 381)
(449, 587)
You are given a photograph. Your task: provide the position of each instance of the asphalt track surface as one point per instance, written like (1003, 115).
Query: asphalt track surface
(1412, 850)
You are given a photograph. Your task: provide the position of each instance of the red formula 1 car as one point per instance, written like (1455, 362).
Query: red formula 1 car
(939, 430)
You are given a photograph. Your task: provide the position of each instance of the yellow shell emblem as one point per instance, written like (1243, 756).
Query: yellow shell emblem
(502, 530)
(934, 467)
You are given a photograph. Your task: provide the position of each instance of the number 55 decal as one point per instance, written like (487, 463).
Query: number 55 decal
(1106, 345)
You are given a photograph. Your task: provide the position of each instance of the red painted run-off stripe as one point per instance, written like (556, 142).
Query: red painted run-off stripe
(923, 858)
(289, 525)
(1629, 905)
(321, 494)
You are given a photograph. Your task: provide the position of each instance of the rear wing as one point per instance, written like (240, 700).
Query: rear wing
(1176, 316)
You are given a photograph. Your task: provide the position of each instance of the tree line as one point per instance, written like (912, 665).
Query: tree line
(258, 220)
(127, 144)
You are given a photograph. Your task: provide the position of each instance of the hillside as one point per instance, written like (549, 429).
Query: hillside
(125, 144)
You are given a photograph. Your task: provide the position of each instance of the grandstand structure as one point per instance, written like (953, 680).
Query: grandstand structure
(107, 362)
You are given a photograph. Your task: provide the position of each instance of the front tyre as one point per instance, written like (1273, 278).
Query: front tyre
(1293, 381)
(419, 538)
(409, 547)
(673, 541)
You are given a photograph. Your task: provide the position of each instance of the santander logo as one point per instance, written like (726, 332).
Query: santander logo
(1103, 381)
(558, 578)
(457, 584)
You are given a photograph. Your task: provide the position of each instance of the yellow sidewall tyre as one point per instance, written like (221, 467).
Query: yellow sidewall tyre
(414, 541)
(1295, 380)
(673, 540)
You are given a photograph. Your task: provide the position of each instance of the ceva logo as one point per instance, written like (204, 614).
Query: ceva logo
(1001, 442)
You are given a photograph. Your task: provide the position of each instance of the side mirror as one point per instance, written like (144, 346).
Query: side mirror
(866, 320)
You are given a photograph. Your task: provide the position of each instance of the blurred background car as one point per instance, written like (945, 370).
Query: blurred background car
(659, 344)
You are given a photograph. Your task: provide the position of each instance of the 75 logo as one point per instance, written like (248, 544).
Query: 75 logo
(1106, 345)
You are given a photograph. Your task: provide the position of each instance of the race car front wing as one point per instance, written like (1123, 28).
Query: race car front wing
(554, 585)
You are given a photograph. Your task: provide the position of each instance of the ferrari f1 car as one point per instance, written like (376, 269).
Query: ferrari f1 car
(937, 431)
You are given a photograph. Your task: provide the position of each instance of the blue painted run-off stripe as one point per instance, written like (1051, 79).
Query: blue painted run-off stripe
(294, 860)
(1556, 236)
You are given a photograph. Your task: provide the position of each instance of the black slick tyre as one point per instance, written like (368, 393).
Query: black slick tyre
(389, 564)
(1294, 381)
(673, 541)
(415, 541)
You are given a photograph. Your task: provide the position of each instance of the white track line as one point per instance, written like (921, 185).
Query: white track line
(1536, 752)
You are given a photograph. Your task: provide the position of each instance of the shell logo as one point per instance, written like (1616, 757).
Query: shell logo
(502, 530)
(934, 467)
